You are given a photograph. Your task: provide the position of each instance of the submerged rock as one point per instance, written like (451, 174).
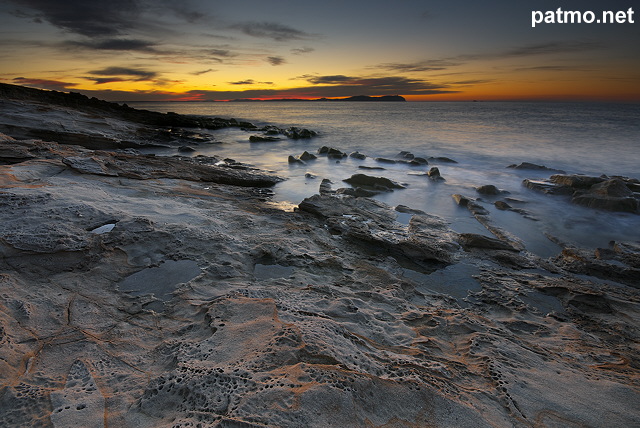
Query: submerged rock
(442, 159)
(262, 138)
(357, 155)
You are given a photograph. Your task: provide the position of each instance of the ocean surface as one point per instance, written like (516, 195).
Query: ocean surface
(482, 137)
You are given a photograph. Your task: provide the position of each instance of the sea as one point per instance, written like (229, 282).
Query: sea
(484, 138)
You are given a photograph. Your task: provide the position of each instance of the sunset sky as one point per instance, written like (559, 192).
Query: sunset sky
(124, 50)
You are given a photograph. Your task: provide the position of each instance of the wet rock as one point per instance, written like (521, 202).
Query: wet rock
(502, 205)
(408, 210)
(488, 189)
(472, 240)
(367, 222)
(375, 183)
(420, 160)
(533, 166)
(357, 192)
(186, 149)
(262, 138)
(332, 153)
(385, 160)
(576, 181)
(434, 174)
(325, 187)
(379, 168)
(357, 155)
(405, 155)
(298, 133)
(442, 159)
(546, 186)
(306, 156)
(463, 201)
(292, 159)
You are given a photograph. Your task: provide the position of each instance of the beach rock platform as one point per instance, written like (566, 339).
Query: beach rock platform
(173, 292)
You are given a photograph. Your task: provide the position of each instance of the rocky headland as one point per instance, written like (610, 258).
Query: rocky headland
(150, 291)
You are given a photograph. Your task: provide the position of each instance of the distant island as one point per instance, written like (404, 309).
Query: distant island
(354, 98)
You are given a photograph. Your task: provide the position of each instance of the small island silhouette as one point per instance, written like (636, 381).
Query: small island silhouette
(353, 98)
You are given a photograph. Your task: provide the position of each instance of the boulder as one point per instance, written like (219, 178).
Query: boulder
(306, 156)
(385, 160)
(376, 183)
(576, 181)
(434, 173)
(297, 133)
(488, 189)
(262, 138)
(293, 159)
(357, 155)
(331, 152)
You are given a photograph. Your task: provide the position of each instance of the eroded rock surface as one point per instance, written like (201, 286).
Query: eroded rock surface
(336, 314)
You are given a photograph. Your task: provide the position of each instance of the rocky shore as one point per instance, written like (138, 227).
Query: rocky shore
(150, 291)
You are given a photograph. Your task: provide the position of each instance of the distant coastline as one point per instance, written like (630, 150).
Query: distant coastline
(358, 98)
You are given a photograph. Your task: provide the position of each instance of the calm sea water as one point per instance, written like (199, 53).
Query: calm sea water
(482, 137)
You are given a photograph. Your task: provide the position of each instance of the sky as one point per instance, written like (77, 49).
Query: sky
(157, 50)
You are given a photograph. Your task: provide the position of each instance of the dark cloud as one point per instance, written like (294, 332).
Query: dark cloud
(115, 44)
(92, 18)
(55, 85)
(551, 48)
(103, 80)
(137, 73)
(222, 52)
(432, 65)
(201, 72)
(271, 30)
(322, 80)
(302, 51)
(276, 60)
(552, 68)
(243, 82)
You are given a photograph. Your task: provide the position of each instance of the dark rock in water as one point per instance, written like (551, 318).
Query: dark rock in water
(502, 205)
(293, 159)
(371, 167)
(325, 187)
(331, 152)
(262, 138)
(612, 188)
(545, 186)
(297, 133)
(309, 175)
(385, 160)
(576, 181)
(442, 159)
(357, 155)
(306, 156)
(419, 160)
(376, 183)
(472, 240)
(186, 149)
(405, 155)
(463, 201)
(609, 203)
(533, 166)
(434, 173)
(488, 189)
(613, 194)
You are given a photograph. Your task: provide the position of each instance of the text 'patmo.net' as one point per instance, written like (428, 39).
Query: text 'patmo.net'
(560, 16)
